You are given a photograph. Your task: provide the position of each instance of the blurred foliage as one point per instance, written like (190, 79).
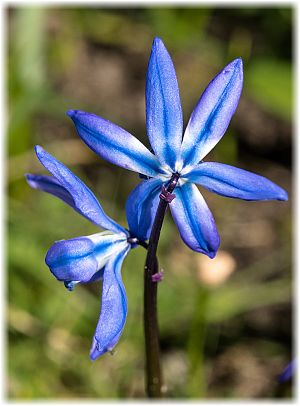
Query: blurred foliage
(224, 339)
(275, 90)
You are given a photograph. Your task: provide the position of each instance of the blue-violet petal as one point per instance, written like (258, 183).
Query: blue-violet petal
(113, 308)
(50, 185)
(234, 182)
(80, 259)
(81, 197)
(289, 372)
(163, 108)
(212, 113)
(141, 207)
(194, 220)
(114, 144)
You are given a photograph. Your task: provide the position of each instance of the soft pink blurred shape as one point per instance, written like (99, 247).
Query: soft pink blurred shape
(215, 271)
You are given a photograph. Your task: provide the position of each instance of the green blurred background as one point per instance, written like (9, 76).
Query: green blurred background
(227, 324)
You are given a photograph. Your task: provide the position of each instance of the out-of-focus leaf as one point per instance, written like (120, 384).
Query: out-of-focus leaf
(227, 303)
(190, 24)
(270, 83)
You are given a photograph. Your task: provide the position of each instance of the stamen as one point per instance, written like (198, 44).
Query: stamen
(166, 195)
(70, 285)
(132, 240)
(173, 181)
(158, 277)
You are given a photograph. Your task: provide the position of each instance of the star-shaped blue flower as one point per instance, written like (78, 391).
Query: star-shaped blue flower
(90, 258)
(179, 154)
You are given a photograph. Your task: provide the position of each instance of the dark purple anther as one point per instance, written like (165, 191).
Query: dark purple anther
(157, 277)
(166, 196)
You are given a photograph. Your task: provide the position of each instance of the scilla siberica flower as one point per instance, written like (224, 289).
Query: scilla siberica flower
(87, 259)
(177, 156)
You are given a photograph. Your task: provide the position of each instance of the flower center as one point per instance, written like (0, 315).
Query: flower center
(173, 181)
(166, 193)
(134, 241)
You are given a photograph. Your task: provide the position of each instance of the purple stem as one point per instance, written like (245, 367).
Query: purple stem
(153, 370)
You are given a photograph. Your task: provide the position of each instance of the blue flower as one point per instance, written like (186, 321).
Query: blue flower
(89, 258)
(179, 154)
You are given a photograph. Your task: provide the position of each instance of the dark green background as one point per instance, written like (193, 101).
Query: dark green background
(227, 340)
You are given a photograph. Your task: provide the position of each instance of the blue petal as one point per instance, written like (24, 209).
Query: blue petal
(229, 181)
(288, 372)
(213, 113)
(113, 308)
(163, 108)
(141, 208)
(76, 194)
(50, 185)
(194, 220)
(80, 259)
(114, 144)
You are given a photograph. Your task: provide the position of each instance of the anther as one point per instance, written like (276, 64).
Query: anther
(132, 240)
(166, 196)
(173, 182)
(70, 285)
(158, 277)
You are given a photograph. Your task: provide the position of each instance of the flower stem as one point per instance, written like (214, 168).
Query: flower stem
(153, 370)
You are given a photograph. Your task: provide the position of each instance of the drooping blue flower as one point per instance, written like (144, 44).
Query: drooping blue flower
(90, 258)
(176, 153)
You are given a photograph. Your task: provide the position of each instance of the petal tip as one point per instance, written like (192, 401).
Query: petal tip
(158, 46)
(235, 65)
(157, 42)
(276, 193)
(30, 179)
(238, 62)
(96, 352)
(38, 150)
(71, 113)
(239, 66)
(43, 156)
(212, 254)
(283, 195)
